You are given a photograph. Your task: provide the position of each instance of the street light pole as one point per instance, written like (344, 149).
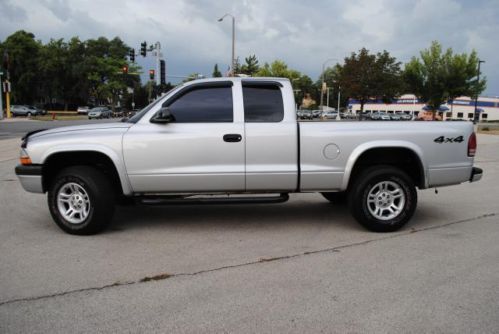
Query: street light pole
(322, 81)
(233, 41)
(477, 115)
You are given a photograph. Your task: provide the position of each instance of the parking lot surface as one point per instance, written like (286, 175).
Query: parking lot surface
(300, 266)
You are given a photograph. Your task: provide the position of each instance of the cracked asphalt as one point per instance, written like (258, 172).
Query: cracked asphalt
(300, 266)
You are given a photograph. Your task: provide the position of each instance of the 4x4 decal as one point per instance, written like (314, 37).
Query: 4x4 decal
(443, 139)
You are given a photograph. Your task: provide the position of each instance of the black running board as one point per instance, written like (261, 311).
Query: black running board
(158, 200)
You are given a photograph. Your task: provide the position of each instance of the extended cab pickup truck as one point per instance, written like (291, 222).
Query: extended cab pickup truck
(240, 137)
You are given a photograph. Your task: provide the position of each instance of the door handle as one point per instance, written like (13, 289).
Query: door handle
(232, 138)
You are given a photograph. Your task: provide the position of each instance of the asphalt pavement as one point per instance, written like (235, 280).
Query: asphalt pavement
(304, 266)
(18, 126)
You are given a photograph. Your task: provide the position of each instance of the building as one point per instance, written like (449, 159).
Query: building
(461, 108)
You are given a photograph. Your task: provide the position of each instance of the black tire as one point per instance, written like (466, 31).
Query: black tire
(339, 197)
(28, 114)
(101, 197)
(366, 182)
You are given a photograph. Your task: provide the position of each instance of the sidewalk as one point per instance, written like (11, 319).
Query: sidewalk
(9, 149)
(16, 119)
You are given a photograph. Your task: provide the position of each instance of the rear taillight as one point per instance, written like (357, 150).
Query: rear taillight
(472, 145)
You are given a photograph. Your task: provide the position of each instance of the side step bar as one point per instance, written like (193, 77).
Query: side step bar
(158, 200)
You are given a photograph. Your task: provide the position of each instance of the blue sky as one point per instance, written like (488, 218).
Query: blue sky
(303, 34)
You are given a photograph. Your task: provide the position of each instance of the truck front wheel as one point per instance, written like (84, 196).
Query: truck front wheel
(81, 200)
(383, 198)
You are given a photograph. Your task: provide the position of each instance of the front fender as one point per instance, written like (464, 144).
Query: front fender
(116, 158)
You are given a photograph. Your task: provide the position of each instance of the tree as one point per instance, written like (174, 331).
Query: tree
(23, 52)
(216, 72)
(437, 76)
(461, 70)
(364, 76)
(302, 84)
(251, 66)
(278, 69)
(104, 60)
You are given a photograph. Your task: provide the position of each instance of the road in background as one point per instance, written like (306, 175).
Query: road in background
(17, 127)
(301, 266)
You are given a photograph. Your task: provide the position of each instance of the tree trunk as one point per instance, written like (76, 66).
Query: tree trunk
(362, 102)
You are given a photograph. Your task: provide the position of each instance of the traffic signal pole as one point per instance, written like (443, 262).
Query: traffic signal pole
(7, 98)
(7, 101)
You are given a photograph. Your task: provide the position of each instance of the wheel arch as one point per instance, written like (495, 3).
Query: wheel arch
(106, 160)
(405, 155)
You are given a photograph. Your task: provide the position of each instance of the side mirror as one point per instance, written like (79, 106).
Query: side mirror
(163, 116)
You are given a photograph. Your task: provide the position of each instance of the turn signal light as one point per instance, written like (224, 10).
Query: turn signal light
(25, 161)
(24, 157)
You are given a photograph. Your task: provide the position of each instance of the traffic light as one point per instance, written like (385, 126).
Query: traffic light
(162, 73)
(5, 61)
(131, 55)
(151, 74)
(143, 49)
(125, 69)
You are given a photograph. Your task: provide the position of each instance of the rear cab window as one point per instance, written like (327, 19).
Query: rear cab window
(262, 102)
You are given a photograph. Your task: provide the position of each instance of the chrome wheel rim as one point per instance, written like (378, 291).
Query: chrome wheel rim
(73, 203)
(386, 200)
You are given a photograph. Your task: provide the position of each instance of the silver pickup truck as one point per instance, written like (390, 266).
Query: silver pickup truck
(237, 140)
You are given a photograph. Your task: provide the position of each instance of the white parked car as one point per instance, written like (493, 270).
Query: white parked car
(330, 114)
(83, 110)
(380, 116)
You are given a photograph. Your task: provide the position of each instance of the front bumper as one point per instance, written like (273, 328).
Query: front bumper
(476, 174)
(30, 177)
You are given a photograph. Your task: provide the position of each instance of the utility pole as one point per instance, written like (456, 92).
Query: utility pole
(476, 119)
(322, 81)
(327, 98)
(339, 97)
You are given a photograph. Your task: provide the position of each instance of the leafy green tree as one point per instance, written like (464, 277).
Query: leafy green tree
(438, 76)
(216, 72)
(103, 65)
(278, 69)
(250, 67)
(364, 76)
(461, 71)
(23, 52)
(302, 84)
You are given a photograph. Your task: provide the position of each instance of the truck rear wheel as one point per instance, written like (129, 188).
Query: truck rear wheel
(81, 200)
(383, 198)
